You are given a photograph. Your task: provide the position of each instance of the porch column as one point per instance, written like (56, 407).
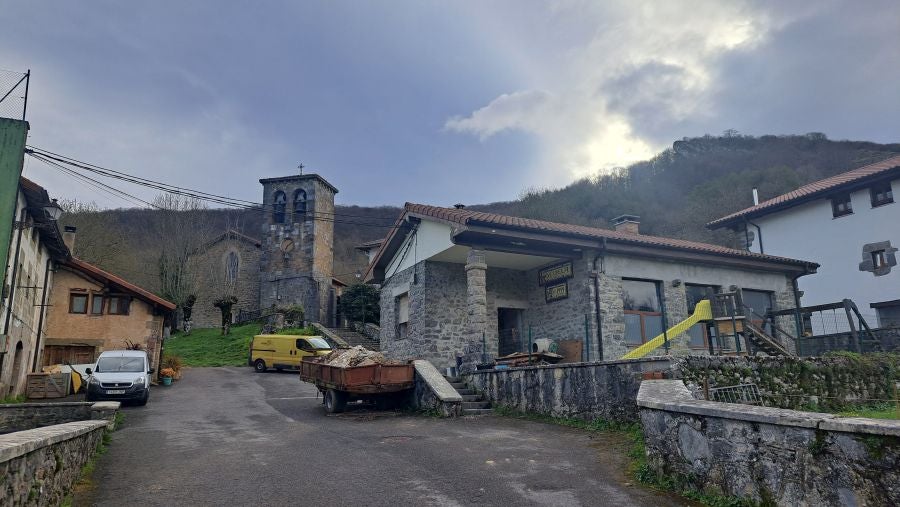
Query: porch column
(476, 309)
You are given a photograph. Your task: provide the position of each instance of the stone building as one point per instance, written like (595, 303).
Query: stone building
(297, 261)
(291, 264)
(229, 265)
(35, 250)
(454, 279)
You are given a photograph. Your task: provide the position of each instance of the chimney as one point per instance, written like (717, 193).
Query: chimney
(627, 223)
(69, 238)
(755, 196)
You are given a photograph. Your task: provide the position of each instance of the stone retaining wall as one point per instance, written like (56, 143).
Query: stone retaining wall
(589, 391)
(791, 382)
(769, 455)
(39, 466)
(433, 393)
(26, 416)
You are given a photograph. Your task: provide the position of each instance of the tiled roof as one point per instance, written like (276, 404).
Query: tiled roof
(811, 190)
(469, 217)
(111, 278)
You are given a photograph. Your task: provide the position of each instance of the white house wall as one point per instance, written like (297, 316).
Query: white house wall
(430, 239)
(809, 232)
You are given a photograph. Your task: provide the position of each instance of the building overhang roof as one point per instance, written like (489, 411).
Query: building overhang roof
(36, 198)
(107, 278)
(844, 182)
(550, 239)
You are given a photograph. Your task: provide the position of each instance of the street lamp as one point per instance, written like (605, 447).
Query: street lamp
(52, 210)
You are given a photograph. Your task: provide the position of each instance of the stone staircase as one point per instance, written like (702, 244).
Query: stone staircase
(352, 338)
(473, 403)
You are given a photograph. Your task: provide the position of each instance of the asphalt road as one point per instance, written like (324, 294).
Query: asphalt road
(229, 436)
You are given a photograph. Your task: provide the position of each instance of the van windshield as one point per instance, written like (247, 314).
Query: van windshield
(124, 364)
(318, 343)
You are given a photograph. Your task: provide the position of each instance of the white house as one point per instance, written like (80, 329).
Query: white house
(849, 224)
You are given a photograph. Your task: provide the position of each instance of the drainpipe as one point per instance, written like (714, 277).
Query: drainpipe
(15, 274)
(758, 234)
(40, 326)
(597, 273)
(798, 321)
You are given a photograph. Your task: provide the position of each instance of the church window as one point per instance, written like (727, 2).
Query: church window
(279, 207)
(300, 202)
(231, 267)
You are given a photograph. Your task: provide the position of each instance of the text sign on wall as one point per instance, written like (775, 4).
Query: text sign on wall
(555, 273)
(556, 292)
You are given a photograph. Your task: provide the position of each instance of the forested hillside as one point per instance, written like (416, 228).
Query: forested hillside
(675, 193)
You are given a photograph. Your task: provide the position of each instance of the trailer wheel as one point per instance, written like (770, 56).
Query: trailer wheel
(260, 366)
(335, 401)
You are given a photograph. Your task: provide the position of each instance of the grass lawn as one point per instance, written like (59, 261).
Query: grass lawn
(207, 347)
(879, 412)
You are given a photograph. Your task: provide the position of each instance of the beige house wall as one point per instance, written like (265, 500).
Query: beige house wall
(104, 332)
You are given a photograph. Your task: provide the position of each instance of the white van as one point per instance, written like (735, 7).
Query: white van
(121, 375)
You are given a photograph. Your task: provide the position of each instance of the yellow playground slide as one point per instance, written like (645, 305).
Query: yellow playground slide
(703, 311)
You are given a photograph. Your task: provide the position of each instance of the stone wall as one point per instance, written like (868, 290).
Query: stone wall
(432, 392)
(26, 416)
(790, 382)
(39, 466)
(211, 264)
(769, 455)
(589, 391)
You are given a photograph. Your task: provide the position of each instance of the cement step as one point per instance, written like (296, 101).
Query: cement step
(475, 404)
(471, 397)
(452, 379)
(477, 411)
(458, 385)
(465, 392)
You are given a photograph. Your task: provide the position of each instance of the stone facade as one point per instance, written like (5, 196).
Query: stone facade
(588, 391)
(213, 266)
(769, 455)
(297, 261)
(443, 301)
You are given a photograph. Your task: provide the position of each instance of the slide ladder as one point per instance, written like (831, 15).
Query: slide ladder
(703, 311)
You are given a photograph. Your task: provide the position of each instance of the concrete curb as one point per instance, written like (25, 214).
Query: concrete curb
(16, 444)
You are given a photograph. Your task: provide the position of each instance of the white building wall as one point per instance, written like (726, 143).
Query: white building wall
(429, 239)
(25, 307)
(810, 232)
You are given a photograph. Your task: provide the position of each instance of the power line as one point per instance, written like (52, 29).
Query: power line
(166, 187)
(54, 162)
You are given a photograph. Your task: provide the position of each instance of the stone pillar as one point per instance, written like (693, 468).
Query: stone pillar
(476, 309)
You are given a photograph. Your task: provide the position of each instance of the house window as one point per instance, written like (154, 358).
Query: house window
(643, 315)
(841, 205)
(118, 305)
(879, 259)
(231, 267)
(881, 193)
(299, 203)
(402, 316)
(78, 303)
(278, 207)
(96, 304)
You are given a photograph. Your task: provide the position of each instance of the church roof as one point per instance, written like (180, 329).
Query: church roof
(300, 177)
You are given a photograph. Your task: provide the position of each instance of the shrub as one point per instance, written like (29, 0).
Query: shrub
(172, 361)
(167, 372)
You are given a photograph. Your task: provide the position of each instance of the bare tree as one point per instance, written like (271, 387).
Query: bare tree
(182, 228)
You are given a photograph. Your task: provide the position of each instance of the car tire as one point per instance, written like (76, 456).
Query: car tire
(260, 366)
(335, 401)
(143, 401)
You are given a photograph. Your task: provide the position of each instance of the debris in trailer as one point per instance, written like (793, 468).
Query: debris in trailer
(355, 356)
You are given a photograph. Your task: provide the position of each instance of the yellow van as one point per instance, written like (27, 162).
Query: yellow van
(281, 351)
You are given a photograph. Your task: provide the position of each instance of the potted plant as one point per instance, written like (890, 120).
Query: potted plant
(167, 374)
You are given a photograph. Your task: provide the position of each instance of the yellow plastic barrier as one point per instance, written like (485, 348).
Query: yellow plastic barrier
(703, 311)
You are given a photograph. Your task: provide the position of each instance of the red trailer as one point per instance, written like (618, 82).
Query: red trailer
(382, 384)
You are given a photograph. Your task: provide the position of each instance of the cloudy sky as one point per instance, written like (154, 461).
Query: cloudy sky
(437, 102)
